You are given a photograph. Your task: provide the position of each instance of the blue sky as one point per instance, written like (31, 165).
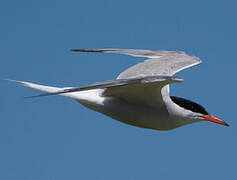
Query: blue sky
(57, 138)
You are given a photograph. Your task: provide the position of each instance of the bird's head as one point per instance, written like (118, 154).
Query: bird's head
(196, 112)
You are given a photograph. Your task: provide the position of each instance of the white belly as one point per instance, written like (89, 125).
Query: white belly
(136, 114)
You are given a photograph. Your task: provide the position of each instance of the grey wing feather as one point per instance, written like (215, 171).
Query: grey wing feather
(132, 52)
(160, 62)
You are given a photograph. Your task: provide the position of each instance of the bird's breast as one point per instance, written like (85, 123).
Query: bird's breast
(137, 114)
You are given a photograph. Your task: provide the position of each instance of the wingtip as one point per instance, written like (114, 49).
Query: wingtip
(76, 50)
(199, 61)
(86, 50)
(30, 97)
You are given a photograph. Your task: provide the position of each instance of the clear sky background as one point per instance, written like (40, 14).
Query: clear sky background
(57, 138)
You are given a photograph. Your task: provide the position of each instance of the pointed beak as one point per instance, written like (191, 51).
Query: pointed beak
(215, 120)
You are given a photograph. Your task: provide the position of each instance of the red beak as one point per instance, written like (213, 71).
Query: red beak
(215, 120)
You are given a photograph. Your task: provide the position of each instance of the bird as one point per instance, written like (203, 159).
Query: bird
(140, 96)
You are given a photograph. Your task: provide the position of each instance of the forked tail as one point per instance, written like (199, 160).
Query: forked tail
(48, 89)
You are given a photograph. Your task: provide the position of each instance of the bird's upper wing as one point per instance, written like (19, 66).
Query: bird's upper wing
(159, 62)
(132, 89)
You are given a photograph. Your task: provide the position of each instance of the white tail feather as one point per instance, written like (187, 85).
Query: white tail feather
(48, 89)
(43, 88)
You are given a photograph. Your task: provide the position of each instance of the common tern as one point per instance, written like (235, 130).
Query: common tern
(140, 95)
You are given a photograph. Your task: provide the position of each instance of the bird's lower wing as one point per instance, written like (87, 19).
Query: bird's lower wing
(148, 90)
(133, 89)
